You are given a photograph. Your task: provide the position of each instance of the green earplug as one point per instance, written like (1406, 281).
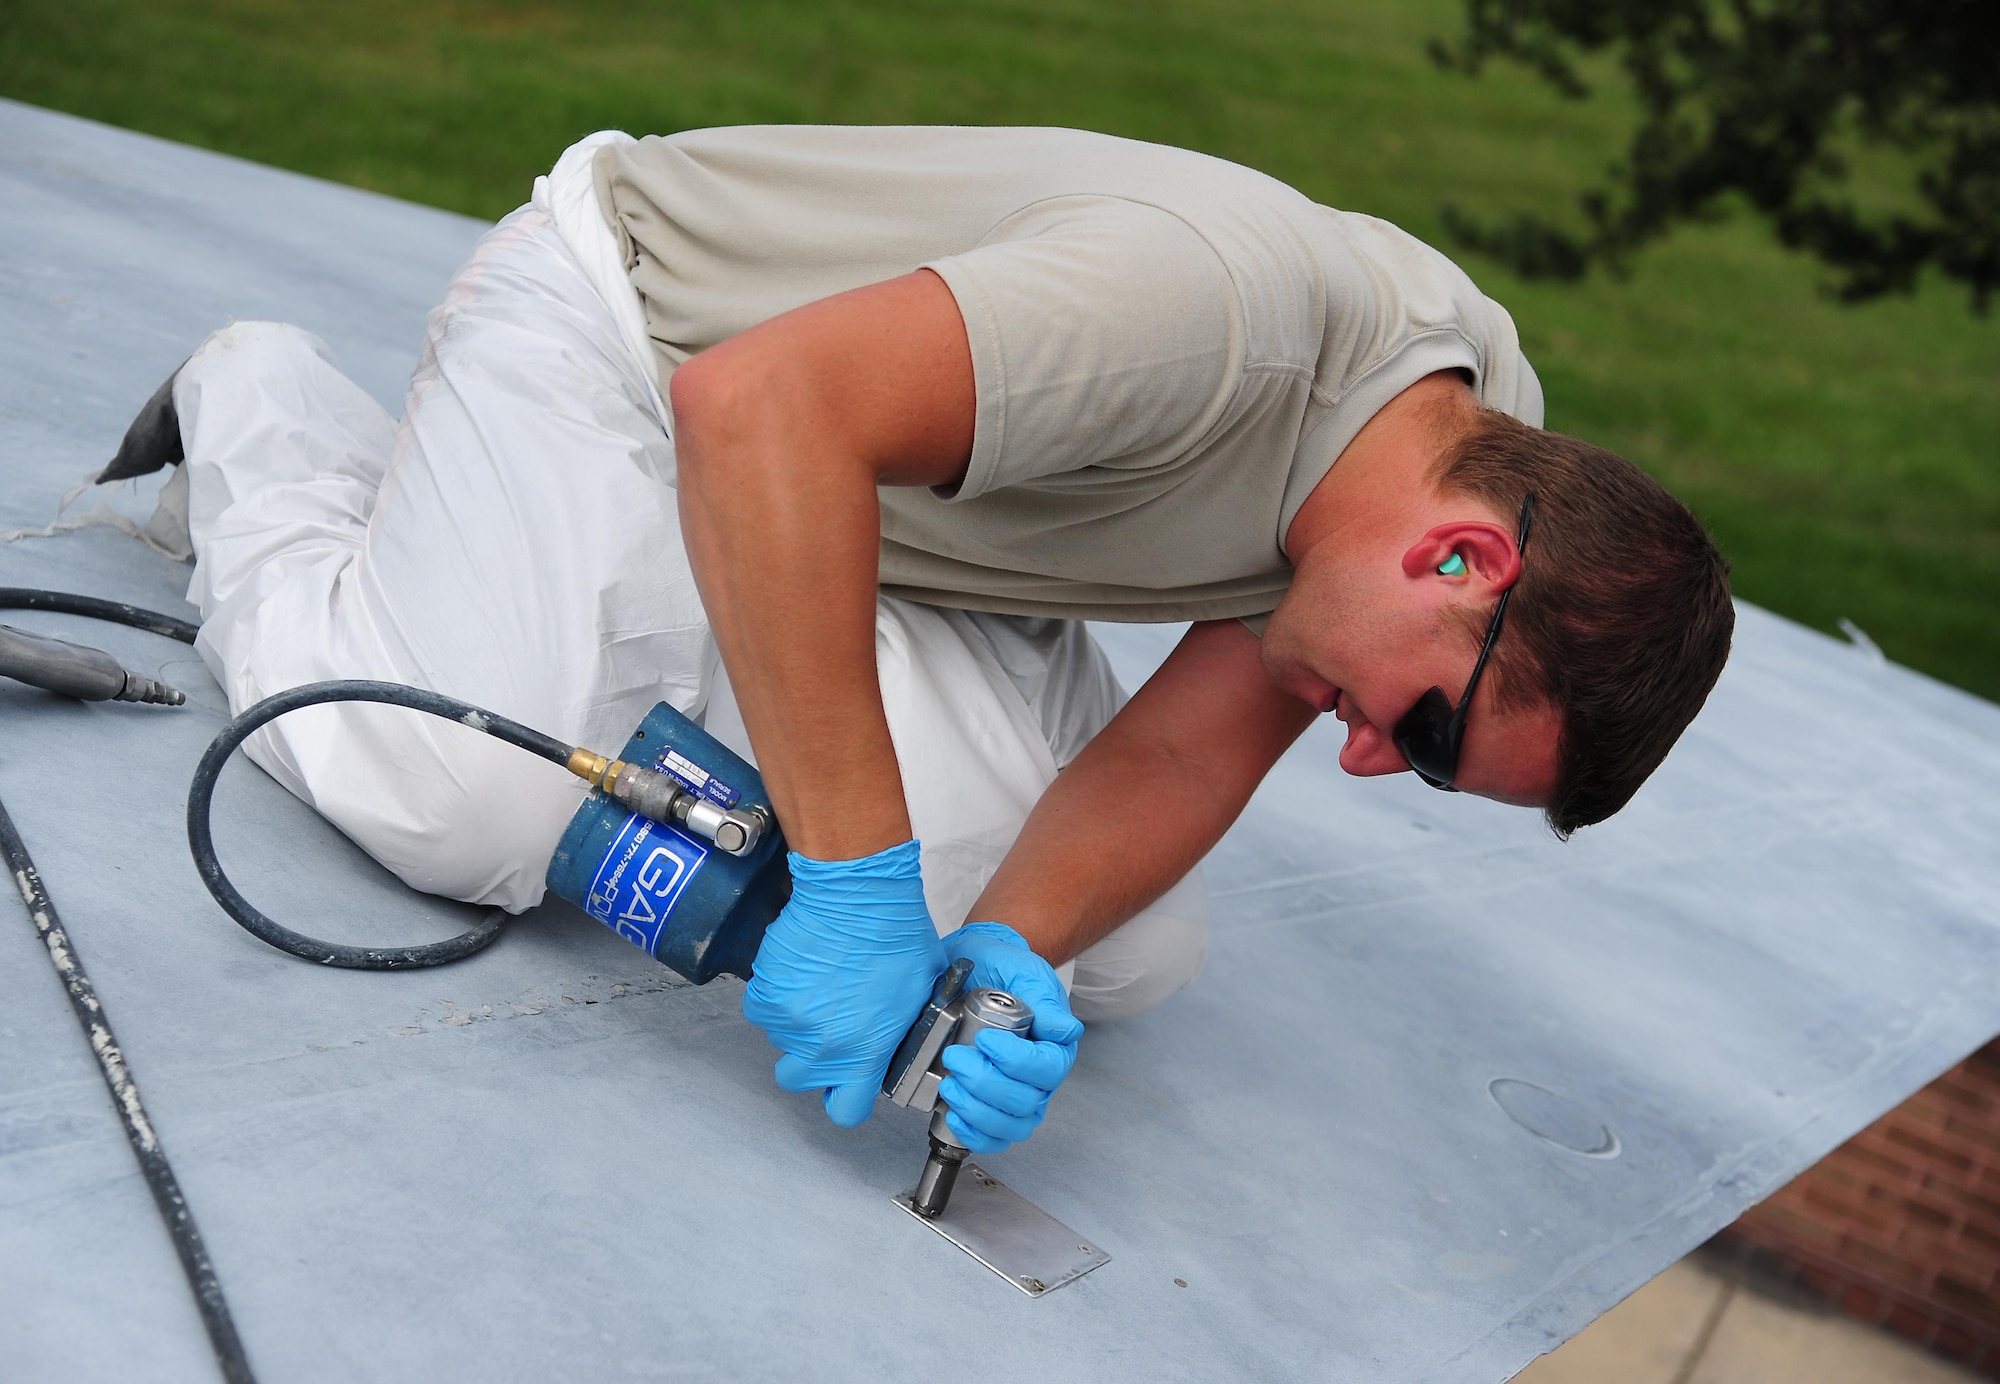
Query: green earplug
(1453, 566)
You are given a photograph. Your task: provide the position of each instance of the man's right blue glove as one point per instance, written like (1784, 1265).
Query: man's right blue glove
(1000, 1083)
(843, 972)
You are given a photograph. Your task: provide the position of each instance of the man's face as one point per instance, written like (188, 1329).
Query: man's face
(1365, 631)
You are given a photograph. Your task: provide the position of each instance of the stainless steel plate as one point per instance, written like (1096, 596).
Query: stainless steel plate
(1010, 1234)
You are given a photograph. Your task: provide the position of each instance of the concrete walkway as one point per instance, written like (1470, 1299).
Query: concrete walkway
(1701, 1322)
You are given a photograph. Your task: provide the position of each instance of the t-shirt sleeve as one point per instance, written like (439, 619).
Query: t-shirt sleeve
(1528, 406)
(1103, 331)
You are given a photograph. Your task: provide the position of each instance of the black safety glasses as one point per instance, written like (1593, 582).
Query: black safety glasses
(1430, 732)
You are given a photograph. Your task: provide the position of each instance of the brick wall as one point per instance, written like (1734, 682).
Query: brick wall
(1901, 1224)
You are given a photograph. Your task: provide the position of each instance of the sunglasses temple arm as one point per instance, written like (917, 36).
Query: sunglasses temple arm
(1464, 706)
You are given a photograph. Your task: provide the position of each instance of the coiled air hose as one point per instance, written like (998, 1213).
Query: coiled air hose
(643, 790)
(202, 843)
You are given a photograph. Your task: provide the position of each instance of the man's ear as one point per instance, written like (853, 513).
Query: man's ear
(1491, 561)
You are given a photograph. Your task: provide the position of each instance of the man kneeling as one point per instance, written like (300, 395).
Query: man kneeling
(785, 421)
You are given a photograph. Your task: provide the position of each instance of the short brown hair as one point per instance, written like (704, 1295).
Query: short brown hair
(1622, 615)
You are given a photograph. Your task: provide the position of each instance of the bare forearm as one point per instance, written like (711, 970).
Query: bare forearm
(1147, 798)
(783, 434)
(785, 558)
(1116, 830)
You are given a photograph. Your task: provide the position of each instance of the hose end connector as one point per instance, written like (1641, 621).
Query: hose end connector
(138, 689)
(589, 766)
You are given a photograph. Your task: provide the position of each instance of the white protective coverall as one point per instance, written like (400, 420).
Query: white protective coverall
(514, 542)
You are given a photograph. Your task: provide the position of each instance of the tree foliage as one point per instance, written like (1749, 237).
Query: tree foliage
(1766, 98)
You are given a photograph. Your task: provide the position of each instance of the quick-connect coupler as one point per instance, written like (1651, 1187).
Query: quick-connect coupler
(75, 670)
(663, 798)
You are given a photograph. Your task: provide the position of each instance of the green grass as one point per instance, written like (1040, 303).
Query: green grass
(1848, 459)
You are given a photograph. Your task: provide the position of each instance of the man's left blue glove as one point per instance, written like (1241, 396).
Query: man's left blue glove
(1000, 1083)
(843, 972)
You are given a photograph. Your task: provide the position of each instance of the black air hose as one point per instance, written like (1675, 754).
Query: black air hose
(89, 1011)
(256, 923)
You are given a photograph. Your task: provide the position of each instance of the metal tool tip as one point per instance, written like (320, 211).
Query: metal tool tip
(934, 1187)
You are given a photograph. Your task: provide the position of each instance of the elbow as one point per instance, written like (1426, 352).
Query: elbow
(694, 390)
(707, 399)
(748, 419)
(740, 409)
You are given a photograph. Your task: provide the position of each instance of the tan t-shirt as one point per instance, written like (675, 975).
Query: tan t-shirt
(1169, 351)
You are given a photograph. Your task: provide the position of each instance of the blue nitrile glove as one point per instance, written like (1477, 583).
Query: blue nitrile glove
(1000, 1083)
(843, 972)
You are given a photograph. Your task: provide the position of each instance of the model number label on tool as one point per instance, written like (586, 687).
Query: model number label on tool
(696, 779)
(641, 879)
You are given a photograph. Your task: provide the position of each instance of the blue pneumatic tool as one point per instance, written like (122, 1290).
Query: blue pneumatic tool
(692, 873)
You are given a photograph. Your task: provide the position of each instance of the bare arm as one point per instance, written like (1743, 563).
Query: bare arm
(1149, 796)
(783, 434)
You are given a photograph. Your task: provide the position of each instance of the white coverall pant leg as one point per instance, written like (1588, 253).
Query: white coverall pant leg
(514, 542)
(508, 543)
